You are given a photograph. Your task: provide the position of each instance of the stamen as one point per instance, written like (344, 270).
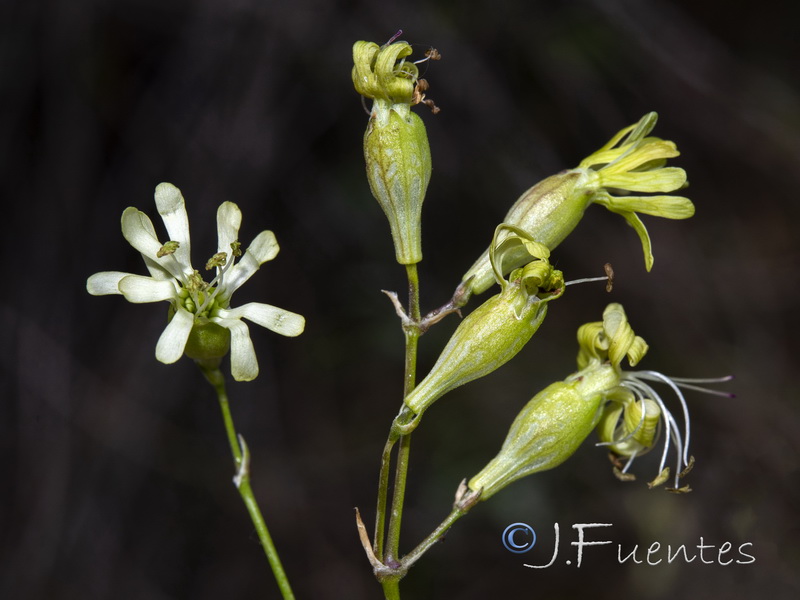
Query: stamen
(393, 38)
(216, 283)
(586, 280)
(663, 378)
(609, 278)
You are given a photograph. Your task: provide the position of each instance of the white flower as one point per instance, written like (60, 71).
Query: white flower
(195, 303)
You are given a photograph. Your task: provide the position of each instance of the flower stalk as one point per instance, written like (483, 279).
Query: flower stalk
(241, 461)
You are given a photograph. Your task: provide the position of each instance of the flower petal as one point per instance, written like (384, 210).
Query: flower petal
(666, 179)
(172, 209)
(264, 248)
(229, 219)
(172, 342)
(244, 365)
(156, 270)
(271, 317)
(104, 283)
(139, 289)
(138, 229)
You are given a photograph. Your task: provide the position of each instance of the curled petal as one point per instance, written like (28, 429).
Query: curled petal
(381, 73)
(172, 208)
(104, 283)
(244, 365)
(229, 219)
(172, 342)
(273, 318)
(622, 341)
(139, 289)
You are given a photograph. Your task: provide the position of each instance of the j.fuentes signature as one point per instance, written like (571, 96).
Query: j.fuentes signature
(520, 537)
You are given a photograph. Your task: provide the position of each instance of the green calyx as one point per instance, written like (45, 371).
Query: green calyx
(555, 422)
(630, 164)
(497, 330)
(398, 161)
(208, 342)
(396, 150)
(549, 429)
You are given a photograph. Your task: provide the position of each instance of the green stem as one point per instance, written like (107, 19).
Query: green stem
(241, 458)
(434, 537)
(390, 558)
(383, 495)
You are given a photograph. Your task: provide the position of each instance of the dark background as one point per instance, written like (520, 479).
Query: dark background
(116, 472)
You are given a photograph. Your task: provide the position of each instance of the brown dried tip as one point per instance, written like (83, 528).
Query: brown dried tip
(623, 476)
(433, 54)
(610, 274)
(418, 96)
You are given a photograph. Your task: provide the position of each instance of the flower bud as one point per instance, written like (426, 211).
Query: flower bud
(496, 331)
(396, 150)
(630, 161)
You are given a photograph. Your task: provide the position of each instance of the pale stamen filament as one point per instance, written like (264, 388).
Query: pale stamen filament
(216, 283)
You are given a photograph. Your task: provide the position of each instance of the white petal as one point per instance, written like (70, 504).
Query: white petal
(273, 318)
(156, 270)
(172, 342)
(138, 229)
(244, 366)
(104, 283)
(229, 219)
(264, 248)
(172, 209)
(139, 289)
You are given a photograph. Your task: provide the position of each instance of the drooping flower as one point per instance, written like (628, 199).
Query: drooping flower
(202, 323)
(626, 411)
(556, 421)
(616, 176)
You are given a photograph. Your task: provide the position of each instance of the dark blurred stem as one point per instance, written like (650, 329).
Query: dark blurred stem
(391, 585)
(241, 459)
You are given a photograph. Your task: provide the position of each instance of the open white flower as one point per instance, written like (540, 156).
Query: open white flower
(199, 310)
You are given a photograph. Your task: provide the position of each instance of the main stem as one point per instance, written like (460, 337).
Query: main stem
(241, 458)
(391, 557)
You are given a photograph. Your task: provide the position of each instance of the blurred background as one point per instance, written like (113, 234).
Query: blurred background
(116, 470)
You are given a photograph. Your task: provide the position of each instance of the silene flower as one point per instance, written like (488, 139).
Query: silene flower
(621, 405)
(628, 176)
(635, 416)
(202, 323)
